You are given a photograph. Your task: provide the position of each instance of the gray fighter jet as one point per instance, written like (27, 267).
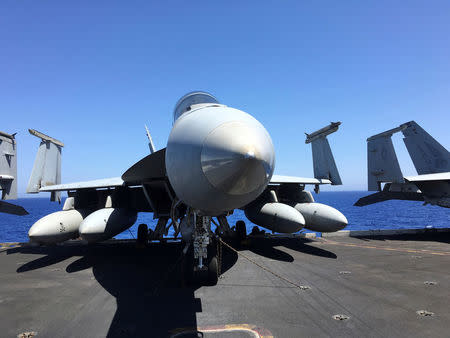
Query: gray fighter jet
(431, 160)
(217, 159)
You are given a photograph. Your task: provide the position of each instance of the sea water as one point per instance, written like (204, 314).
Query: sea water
(385, 215)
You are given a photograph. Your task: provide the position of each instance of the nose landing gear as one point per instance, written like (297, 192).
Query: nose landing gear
(202, 265)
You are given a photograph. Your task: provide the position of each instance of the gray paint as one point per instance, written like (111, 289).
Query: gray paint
(211, 142)
(323, 160)
(106, 223)
(8, 166)
(431, 160)
(428, 155)
(47, 165)
(382, 162)
(321, 217)
(277, 217)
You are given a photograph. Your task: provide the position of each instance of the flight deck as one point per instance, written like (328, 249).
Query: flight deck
(373, 286)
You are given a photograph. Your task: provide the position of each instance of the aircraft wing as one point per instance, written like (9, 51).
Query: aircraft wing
(94, 184)
(280, 179)
(429, 177)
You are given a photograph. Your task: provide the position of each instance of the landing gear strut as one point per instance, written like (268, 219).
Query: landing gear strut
(142, 235)
(202, 264)
(241, 230)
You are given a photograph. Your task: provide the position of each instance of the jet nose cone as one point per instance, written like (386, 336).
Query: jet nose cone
(238, 159)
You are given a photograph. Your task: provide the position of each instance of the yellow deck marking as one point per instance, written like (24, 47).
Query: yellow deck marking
(255, 331)
(11, 245)
(440, 253)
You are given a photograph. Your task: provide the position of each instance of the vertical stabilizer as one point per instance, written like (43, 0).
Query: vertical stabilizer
(382, 162)
(47, 165)
(428, 155)
(323, 160)
(8, 166)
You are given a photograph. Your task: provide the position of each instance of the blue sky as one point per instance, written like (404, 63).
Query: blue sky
(92, 74)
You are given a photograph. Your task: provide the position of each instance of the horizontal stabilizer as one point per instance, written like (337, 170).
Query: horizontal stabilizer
(428, 155)
(382, 196)
(8, 166)
(12, 209)
(438, 177)
(323, 160)
(47, 165)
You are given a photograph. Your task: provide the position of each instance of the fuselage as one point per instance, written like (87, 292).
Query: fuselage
(217, 158)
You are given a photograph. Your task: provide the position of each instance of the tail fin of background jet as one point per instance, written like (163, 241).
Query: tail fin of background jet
(8, 166)
(323, 160)
(382, 162)
(47, 165)
(427, 154)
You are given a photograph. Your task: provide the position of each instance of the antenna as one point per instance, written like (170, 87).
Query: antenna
(150, 141)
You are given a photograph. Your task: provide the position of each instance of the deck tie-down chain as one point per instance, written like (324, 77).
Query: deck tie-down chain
(301, 287)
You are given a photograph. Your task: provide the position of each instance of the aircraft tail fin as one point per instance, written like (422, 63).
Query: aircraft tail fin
(382, 162)
(428, 155)
(47, 165)
(323, 160)
(8, 166)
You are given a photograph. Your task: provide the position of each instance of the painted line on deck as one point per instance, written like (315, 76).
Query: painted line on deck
(439, 253)
(6, 246)
(255, 331)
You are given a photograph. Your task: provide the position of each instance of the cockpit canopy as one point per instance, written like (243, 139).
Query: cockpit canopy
(183, 105)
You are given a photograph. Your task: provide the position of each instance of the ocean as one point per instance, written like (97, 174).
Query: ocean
(385, 215)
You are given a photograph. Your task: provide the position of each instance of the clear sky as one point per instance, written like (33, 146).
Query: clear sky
(93, 73)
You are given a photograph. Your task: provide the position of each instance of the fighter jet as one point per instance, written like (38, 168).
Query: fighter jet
(217, 159)
(431, 160)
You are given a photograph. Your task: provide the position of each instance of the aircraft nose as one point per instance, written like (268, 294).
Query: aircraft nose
(237, 158)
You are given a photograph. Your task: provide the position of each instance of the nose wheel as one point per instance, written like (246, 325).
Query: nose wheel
(202, 262)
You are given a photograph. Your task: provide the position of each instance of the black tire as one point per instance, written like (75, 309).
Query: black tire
(255, 231)
(142, 234)
(213, 271)
(241, 230)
